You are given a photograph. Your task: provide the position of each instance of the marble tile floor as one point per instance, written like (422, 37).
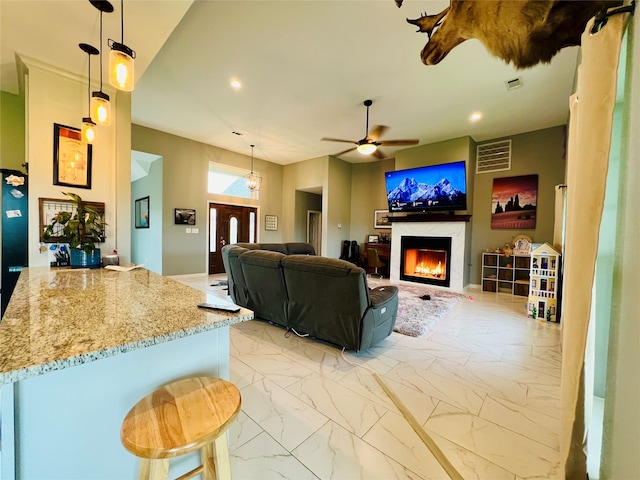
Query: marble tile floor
(484, 383)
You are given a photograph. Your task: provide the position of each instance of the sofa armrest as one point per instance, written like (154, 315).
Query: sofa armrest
(382, 295)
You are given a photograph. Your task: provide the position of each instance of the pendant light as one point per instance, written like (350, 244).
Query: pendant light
(100, 105)
(88, 125)
(253, 179)
(121, 60)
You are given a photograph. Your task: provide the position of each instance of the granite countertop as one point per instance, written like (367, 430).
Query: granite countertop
(59, 318)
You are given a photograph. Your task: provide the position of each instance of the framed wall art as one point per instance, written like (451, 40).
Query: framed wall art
(71, 157)
(381, 219)
(513, 202)
(271, 222)
(142, 213)
(184, 216)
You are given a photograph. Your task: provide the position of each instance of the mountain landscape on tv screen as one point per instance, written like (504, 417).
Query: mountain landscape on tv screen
(442, 193)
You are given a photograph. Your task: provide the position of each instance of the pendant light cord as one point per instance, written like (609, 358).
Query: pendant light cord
(89, 87)
(122, 19)
(100, 50)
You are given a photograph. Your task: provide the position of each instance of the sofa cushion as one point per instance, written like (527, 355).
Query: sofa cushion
(267, 293)
(300, 248)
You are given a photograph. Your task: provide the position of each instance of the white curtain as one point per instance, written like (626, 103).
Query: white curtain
(591, 117)
(558, 224)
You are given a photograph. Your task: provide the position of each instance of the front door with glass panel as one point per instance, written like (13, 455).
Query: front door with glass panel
(228, 224)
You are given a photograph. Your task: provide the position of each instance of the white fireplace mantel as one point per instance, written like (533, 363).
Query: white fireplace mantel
(455, 230)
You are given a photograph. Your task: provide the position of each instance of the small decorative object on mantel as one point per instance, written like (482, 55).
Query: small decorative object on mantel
(271, 222)
(82, 229)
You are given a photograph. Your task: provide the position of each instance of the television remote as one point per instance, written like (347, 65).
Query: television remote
(220, 307)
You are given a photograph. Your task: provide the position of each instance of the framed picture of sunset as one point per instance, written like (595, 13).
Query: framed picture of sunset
(513, 202)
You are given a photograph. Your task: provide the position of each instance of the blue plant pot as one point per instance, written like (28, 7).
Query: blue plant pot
(81, 259)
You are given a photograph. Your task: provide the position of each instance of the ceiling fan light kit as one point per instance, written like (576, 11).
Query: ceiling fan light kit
(367, 148)
(369, 144)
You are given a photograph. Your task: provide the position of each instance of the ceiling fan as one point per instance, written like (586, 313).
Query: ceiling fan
(370, 143)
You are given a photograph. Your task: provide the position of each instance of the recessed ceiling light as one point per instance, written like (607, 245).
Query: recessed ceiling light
(236, 84)
(475, 116)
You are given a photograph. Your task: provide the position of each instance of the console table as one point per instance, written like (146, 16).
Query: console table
(79, 347)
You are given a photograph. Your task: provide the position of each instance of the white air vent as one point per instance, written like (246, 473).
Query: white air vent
(514, 83)
(493, 157)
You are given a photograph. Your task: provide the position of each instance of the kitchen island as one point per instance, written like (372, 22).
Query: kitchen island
(78, 348)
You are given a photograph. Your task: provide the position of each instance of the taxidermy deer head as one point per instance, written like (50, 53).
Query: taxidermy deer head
(522, 32)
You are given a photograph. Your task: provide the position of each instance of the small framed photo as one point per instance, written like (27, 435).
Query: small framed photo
(373, 239)
(184, 216)
(381, 219)
(71, 157)
(271, 222)
(142, 213)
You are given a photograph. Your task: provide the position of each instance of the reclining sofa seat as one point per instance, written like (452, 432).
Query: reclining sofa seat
(330, 300)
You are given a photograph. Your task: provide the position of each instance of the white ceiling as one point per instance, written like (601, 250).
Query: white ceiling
(306, 68)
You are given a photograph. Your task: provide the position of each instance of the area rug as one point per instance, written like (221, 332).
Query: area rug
(419, 308)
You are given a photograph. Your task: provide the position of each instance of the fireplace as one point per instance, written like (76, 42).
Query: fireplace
(426, 260)
(453, 226)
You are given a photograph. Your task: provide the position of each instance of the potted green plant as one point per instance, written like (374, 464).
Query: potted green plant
(82, 229)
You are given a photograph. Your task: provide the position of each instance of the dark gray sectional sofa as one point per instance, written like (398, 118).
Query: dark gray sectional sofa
(327, 298)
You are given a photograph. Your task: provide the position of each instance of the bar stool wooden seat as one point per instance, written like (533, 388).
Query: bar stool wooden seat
(180, 418)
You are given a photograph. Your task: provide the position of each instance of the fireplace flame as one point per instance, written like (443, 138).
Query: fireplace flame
(424, 269)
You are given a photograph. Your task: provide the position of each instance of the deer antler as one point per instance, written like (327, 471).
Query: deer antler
(427, 23)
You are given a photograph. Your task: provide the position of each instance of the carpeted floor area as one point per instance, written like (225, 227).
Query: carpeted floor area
(420, 307)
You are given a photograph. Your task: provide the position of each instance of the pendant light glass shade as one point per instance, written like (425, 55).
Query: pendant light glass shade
(88, 130)
(121, 66)
(100, 108)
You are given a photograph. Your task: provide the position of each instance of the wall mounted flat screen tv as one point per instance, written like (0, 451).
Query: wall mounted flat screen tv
(441, 187)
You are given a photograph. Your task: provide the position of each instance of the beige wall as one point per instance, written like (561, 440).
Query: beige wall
(367, 195)
(539, 152)
(338, 206)
(57, 97)
(185, 172)
(309, 175)
(12, 136)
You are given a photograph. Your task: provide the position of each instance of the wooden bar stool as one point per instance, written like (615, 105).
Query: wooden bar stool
(179, 418)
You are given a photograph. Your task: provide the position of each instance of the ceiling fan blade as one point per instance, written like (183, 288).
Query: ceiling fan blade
(376, 132)
(379, 154)
(346, 151)
(395, 143)
(327, 139)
